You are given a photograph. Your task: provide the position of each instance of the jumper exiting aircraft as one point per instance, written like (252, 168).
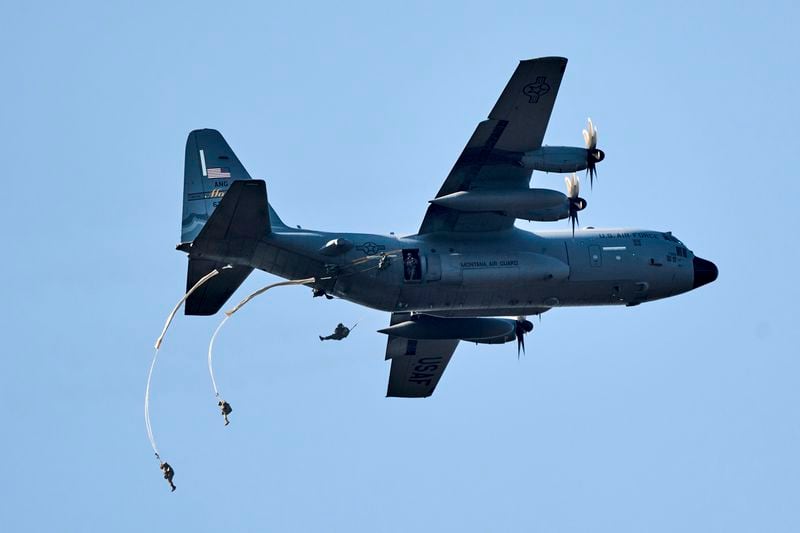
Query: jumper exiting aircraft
(467, 263)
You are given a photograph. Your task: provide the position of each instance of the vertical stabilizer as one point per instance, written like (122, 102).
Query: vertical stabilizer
(210, 168)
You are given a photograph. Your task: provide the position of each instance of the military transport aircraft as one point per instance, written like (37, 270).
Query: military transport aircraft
(468, 262)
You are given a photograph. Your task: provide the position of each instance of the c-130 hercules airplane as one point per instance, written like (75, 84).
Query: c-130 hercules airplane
(467, 263)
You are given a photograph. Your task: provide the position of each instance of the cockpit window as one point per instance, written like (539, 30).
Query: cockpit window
(670, 237)
(681, 251)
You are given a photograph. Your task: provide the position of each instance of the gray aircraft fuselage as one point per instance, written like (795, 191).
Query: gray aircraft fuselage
(512, 272)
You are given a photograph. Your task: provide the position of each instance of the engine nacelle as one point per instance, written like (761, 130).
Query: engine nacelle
(521, 327)
(541, 205)
(561, 159)
(429, 327)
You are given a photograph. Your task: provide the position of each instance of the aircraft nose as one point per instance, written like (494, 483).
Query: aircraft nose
(704, 272)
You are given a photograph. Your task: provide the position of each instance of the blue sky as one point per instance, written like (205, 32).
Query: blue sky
(676, 415)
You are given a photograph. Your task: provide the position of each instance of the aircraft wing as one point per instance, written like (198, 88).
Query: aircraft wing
(516, 125)
(417, 365)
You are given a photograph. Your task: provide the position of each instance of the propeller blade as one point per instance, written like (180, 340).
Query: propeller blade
(573, 185)
(522, 328)
(590, 135)
(594, 155)
(590, 173)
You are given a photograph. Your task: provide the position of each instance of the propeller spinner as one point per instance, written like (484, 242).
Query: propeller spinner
(595, 155)
(576, 203)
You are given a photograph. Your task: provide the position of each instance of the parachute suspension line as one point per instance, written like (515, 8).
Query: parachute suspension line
(160, 339)
(230, 313)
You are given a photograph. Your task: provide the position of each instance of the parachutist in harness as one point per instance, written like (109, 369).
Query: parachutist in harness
(338, 334)
(226, 409)
(169, 473)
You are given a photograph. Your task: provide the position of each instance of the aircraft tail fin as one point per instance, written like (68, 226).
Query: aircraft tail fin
(210, 168)
(225, 215)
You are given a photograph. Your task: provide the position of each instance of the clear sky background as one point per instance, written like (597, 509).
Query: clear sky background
(678, 415)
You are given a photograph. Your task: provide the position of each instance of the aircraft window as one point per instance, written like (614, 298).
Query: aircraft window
(681, 251)
(668, 236)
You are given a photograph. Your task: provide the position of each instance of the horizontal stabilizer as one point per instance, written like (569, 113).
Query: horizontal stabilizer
(212, 295)
(237, 224)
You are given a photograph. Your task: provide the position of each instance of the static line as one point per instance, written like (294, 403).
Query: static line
(265, 289)
(262, 290)
(230, 313)
(147, 407)
(180, 302)
(160, 339)
(210, 348)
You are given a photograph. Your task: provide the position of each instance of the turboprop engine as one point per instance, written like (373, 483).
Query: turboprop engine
(560, 159)
(541, 205)
(478, 330)
(564, 159)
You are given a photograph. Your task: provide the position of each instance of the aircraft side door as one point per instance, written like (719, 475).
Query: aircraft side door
(412, 266)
